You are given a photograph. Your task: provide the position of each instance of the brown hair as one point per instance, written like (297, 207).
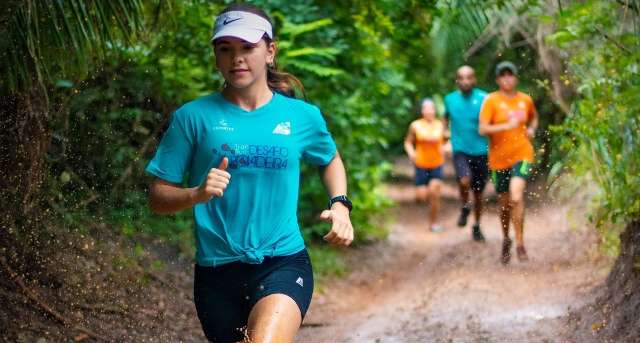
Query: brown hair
(277, 80)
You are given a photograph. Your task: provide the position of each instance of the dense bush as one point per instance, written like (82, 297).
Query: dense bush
(601, 136)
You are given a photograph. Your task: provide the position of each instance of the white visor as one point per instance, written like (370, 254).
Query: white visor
(244, 25)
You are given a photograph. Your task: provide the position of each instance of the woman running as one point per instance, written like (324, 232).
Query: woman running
(241, 150)
(424, 147)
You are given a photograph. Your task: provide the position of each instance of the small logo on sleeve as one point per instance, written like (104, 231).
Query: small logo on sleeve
(300, 281)
(283, 128)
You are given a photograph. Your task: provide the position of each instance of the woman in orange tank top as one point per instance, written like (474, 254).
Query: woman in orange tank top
(424, 147)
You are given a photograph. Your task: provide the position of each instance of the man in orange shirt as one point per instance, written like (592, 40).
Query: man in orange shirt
(509, 118)
(423, 145)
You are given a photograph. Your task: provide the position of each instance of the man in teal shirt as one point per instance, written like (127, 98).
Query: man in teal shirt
(469, 147)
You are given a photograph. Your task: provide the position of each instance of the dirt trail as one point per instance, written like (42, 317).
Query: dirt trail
(425, 287)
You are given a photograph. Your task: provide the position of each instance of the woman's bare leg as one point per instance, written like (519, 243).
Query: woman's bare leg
(275, 318)
(421, 194)
(434, 199)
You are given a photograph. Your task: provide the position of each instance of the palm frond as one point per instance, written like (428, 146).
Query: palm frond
(292, 30)
(468, 25)
(329, 53)
(44, 40)
(308, 59)
(315, 68)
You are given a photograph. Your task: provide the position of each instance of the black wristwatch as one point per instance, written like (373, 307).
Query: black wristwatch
(343, 199)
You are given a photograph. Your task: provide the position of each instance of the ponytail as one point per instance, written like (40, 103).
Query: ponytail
(283, 82)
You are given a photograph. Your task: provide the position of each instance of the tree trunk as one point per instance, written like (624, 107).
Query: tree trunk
(23, 144)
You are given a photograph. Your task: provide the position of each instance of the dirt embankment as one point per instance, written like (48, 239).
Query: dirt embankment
(101, 286)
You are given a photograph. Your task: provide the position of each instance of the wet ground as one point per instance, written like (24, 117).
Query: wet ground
(443, 287)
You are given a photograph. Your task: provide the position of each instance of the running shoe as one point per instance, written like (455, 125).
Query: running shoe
(464, 213)
(522, 254)
(436, 228)
(477, 234)
(506, 251)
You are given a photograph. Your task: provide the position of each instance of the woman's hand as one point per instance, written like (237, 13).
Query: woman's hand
(341, 229)
(215, 183)
(446, 149)
(412, 157)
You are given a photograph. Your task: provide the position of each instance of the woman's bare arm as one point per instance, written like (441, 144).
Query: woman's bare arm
(169, 198)
(334, 178)
(409, 142)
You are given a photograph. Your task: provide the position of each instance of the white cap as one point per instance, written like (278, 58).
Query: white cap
(240, 24)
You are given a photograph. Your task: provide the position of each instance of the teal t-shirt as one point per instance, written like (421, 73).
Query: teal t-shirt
(256, 217)
(463, 113)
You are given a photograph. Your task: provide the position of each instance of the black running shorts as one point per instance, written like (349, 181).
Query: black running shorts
(225, 295)
(473, 167)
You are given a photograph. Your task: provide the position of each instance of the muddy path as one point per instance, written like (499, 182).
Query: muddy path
(420, 286)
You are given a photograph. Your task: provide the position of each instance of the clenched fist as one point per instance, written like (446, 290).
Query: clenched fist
(341, 229)
(215, 183)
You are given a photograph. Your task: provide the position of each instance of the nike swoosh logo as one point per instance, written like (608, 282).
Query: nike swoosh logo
(227, 21)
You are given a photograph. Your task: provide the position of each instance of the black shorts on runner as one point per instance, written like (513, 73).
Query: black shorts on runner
(225, 295)
(474, 167)
(502, 178)
(425, 175)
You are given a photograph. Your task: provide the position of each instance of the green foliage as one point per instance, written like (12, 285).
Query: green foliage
(108, 126)
(306, 59)
(175, 229)
(364, 65)
(601, 136)
(367, 109)
(483, 33)
(326, 263)
(38, 36)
